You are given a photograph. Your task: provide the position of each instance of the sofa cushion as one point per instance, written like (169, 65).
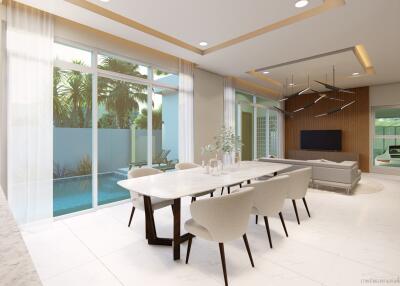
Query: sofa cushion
(330, 164)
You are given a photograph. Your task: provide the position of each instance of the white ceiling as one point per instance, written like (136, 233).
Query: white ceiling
(321, 69)
(210, 21)
(372, 23)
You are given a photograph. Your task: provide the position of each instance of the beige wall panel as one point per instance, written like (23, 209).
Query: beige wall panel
(208, 109)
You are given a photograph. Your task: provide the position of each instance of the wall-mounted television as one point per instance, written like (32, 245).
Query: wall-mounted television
(329, 140)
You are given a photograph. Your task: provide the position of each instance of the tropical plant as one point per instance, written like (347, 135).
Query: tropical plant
(84, 167)
(60, 171)
(121, 98)
(141, 120)
(108, 120)
(119, 66)
(72, 98)
(61, 109)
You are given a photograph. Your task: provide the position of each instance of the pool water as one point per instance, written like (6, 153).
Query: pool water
(75, 193)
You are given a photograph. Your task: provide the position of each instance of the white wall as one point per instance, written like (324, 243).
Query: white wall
(382, 95)
(208, 109)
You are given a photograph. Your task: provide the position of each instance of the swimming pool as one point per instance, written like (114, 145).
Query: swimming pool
(75, 193)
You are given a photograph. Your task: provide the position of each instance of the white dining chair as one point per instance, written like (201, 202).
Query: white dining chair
(187, 165)
(269, 198)
(221, 219)
(299, 181)
(137, 199)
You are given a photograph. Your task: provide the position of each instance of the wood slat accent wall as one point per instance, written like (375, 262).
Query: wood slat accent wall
(353, 121)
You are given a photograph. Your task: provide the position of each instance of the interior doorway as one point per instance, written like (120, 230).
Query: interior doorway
(247, 136)
(385, 145)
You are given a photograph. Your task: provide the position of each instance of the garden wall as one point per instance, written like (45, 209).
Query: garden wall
(71, 145)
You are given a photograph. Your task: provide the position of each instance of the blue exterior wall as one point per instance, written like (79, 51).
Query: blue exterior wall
(170, 116)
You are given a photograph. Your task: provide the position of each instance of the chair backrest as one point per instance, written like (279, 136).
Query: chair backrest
(270, 195)
(298, 183)
(185, 165)
(141, 172)
(225, 217)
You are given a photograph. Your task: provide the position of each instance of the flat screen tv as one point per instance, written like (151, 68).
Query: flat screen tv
(329, 140)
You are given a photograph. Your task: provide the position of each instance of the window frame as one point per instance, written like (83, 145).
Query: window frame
(279, 123)
(96, 73)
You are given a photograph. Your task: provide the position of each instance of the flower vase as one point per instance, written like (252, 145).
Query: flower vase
(228, 160)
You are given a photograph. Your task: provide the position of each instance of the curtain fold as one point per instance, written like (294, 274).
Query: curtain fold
(29, 88)
(229, 103)
(186, 142)
(229, 113)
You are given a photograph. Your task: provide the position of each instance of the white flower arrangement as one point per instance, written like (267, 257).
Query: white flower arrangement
(227, 142)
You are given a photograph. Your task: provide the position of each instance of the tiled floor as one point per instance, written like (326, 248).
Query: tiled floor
(347, 239)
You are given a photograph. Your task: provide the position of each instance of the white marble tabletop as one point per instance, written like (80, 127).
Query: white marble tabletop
(16, 267)
(177, 184)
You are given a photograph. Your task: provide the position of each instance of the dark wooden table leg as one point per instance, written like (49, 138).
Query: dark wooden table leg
(176, 243)
(151, 233)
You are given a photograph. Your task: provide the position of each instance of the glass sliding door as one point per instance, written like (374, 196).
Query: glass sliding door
(122, 134)
(257, 122)
(262, 127)
(245, 124)
(90, 160)
(72, 141)
(165, 128)
(386, 140)
(273, 133)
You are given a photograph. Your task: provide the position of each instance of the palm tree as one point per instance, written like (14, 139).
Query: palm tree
(141, 119)
(76, 87)
(120, 98)
(60, 107)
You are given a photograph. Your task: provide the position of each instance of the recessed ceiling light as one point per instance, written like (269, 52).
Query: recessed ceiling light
(291, 84)
(355, 74)
(301, 3)
(203, 44)
(105, 1)
(265, 72)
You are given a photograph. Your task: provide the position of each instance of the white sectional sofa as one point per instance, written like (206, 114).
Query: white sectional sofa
(343, 175)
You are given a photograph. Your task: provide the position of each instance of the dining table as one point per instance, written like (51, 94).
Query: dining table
(175, 185)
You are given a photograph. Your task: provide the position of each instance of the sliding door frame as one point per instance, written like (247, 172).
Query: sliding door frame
(280, 125)
(96, 73)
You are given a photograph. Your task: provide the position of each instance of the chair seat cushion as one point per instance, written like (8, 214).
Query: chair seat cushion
(256, 211)
(157, 203)
(196, 229)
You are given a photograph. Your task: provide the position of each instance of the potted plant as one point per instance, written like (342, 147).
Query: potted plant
(229, 144)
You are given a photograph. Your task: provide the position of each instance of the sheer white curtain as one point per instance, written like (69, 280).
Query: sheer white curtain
(185, 111)
(29, 88)
(229, 103)
(229, 111)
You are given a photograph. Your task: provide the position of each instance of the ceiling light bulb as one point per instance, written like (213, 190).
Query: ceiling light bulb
(265, 72)
(203, 44)
(301, 3)
(355, 73)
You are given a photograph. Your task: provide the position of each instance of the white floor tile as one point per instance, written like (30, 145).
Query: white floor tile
(347, 239)
(102, 233)
(56, 250)
(93, 273)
